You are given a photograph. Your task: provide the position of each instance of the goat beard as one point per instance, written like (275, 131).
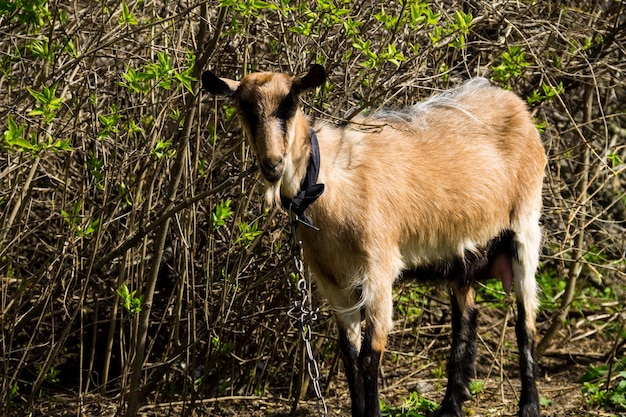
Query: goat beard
(272, 192)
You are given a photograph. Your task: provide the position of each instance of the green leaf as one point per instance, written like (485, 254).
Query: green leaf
(534, 98)
(595, 372)
(37, 111)
(40, 97)
(221, 214)
(14, 129)
(55, 103)
(545, 402)
(89, 230)
(66, 216)
(126, 17)
(463, 21)
(248, 232)
(161, 149)
(23, 144)
(185, 80)
(13, 136)
(63, 145)
(432, 17)
(614, 159)
(131, 303)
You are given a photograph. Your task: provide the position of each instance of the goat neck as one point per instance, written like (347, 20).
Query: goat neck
(309, 190)
(305, 173)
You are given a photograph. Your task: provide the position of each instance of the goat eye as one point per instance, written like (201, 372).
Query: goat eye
(287, 108)
(248, 115)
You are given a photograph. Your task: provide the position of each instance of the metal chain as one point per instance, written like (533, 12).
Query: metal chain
(303, 314)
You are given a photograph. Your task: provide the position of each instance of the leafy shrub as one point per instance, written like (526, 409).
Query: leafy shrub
(117, 172)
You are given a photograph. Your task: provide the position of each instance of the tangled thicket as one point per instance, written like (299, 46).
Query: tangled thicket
(136, 253)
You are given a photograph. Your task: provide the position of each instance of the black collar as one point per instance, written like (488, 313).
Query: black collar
(309, 189)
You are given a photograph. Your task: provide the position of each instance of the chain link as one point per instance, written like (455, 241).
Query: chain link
(303, 314)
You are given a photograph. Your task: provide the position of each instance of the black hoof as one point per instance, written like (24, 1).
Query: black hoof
(529, 410)
(448, 410)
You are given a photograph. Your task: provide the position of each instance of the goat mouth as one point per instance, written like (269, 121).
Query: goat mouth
(272, 176)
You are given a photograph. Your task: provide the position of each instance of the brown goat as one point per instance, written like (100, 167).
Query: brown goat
(449, 189)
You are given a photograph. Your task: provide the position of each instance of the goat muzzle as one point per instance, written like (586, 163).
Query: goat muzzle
(272, 168)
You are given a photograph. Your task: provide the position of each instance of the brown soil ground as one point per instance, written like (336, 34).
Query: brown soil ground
(403, 372)
(558, 384)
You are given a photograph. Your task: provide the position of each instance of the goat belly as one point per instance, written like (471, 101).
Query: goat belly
(452, 270)
(490, 261)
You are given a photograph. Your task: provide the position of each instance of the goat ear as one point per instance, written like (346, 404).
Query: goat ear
(314, 78)
(218, 86)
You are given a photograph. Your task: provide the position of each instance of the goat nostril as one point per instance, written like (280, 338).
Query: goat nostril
(271, 164)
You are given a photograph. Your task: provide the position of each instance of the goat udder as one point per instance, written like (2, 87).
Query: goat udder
(503, 269)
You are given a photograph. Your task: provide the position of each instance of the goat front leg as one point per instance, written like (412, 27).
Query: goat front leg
(379, 320)
(361, 367)
(369, 363)
(347, 307)
(462, 356)
(350, 342)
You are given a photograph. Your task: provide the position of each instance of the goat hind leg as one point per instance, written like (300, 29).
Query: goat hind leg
(462, 356)
(525, 332)
(524, 263)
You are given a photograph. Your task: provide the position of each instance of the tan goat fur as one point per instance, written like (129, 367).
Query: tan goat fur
(408, 191)
(405, 189)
